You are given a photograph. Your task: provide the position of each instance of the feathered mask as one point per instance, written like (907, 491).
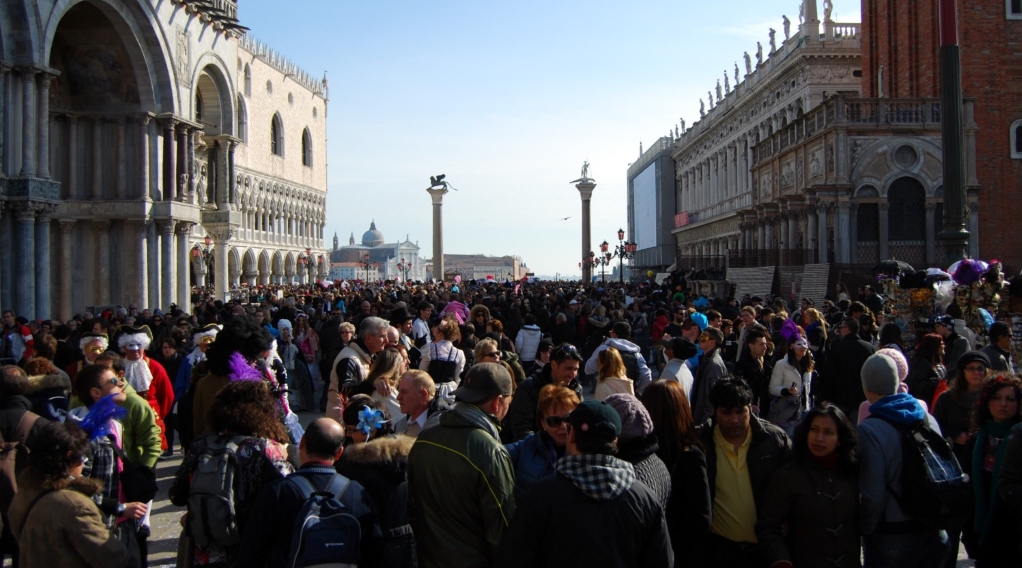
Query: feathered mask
(241, 370)
(789, 331)
(99, 422)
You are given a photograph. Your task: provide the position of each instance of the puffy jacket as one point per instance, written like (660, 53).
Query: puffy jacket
(527, 342)
(534, 459)
(769, 449)
(628, 350)
(461, 489)
(521, 417)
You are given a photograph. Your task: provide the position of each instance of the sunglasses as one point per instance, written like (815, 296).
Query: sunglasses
(115, 382)
(976, 368)
(566, 349)
(555, 421)
(492, 354)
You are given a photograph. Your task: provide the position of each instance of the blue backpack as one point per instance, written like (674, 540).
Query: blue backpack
(325, 531)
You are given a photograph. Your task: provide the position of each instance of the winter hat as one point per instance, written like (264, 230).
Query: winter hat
(700, 320)
(972, 357)
(879, 375)
(899, 361)
(635, 421)
(595, 421)
(682, 348)
(284, 324)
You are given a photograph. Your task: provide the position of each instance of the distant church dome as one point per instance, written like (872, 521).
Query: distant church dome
(372, 237)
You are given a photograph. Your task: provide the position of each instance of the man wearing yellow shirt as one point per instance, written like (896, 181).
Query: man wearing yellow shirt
(742, 453)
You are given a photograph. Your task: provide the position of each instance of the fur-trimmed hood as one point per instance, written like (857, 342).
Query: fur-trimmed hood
(40, 383)
(386, 457)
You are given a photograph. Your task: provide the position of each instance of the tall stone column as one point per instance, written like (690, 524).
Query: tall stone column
(168, 161)
(71, 186)
(29, 128)
(812, 234)
(585, 191)
(761, 229)
(43, 297)
(770, 243)
(167, 276)
(190, 166)
(853, 233)
(793, 220)
(143, 160)
(122, 160)
(221, 238)
(841, 229)
(821, 239)
(184, 295)
(231, 187)
(4, 112)
(67, 227)
(25, 273)
(103, 260)
(43, 120)
(437, 195)
(95, 192)
(885, 252)
(153, 265)
(142, 262)
(182, 167)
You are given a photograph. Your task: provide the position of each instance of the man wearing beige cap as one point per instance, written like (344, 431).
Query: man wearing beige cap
(460, 478)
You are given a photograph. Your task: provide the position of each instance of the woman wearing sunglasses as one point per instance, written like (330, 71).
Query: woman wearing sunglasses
(534, 456)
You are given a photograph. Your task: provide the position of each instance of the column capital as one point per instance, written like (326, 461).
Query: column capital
(931, 207)
(437, 195)
(585, 190)
(26, 211)
(46, 211)
(101, 225)
(884, 206)
(67, 225)
(221, 233)
(184, 227)
(165, 226)
(142, 225)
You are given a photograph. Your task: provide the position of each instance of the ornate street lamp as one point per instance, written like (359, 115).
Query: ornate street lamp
(310, 263)
(622, 251)
(403, 267)
(205, 254)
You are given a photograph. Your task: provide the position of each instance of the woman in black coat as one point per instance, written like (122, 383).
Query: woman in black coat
(810, 516)
(688, 508)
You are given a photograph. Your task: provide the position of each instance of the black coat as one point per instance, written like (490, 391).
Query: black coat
(628, 531)
(842, 384)
(521, 416)
(266, 540)
(821, 510)
(689, 509)
(769, 449)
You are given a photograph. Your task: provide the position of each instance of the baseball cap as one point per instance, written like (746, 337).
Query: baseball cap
(596, 421)
(484, 381)
(944, 320)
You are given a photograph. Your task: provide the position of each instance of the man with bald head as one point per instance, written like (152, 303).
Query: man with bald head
(267, 538)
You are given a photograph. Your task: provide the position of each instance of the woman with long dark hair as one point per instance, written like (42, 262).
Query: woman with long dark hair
(928, 370)
(810, 514)
(688, 509)
(996, 529)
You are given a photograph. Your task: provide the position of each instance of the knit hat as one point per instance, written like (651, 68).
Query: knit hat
(682, 348)
(899, 361)
(635, 421)
(595, 421)
(879, 375)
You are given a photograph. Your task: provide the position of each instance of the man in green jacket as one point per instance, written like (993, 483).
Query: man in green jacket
(460, 478)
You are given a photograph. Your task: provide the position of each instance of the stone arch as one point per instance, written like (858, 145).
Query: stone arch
(277, 265)
(213, 90)
(263, 267)
(276, 136)
(242, 120)
(233, 266)
(290, 265)
(148, 53)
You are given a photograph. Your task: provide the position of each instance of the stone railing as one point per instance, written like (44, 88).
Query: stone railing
(836, 31)
(852, 112)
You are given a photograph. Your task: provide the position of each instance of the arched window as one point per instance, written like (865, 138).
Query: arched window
(248, 80)
(242, 120)
(1016, 140)
(306, 148)
(906, 220)
(277, 136)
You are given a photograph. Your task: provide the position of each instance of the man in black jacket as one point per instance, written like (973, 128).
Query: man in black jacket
(593, 485)
(742, 453)
(267, 538)
(18, 424)
(841, 385)
(562, 370)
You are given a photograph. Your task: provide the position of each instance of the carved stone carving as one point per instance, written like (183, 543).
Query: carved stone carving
(815, 164)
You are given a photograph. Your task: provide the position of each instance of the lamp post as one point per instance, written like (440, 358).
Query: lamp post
(624, 250)
(302, 261)
(205, 254)
(403, 267)
(365, 263)
(588, 263)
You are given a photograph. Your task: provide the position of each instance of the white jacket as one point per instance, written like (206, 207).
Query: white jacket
(527, 342)
(784, 376)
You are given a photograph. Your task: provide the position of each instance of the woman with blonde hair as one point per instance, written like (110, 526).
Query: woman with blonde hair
(384, 375)
(611, 376)
(443, 360)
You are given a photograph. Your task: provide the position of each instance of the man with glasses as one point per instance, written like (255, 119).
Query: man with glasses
(562, 370)
(841, 384)
(460, 478)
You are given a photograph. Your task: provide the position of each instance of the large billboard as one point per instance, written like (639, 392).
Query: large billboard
(644, 211)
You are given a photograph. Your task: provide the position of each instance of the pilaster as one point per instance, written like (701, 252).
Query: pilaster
(183, 230)
(67, 273)
(102, 227)
(29, 128)
(43, 297)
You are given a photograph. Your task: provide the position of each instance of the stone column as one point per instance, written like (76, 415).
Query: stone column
(181, 168)
(231, 189)
(761, 234)
(67, 274)
(841, 248)
(153, 265)
(585, 191)
(811, 27)
(812, 234)
(437, 195)
(71, 189)
(931, 249)
(168, 161)
(853, 233)
(4, 84)
(122, 160)
(972, 224)
(885, 252)
(793, 230)
(25, 267)
(821, 239)
(43, 120)
(103, 261)
(142, 262)
(167, 276)
(184, 291)
(770, 242)
(221, 238)
(29, 128)
(43, 298)
(784, 232)
(190, 166)
(96, 191)
(143, 161)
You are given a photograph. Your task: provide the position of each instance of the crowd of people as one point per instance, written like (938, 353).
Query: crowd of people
(511, 424)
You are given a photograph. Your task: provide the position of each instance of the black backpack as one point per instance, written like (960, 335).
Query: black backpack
(325, 532)
(935, 492)
(631, 362)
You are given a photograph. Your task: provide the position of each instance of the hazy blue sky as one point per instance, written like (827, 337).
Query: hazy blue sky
(507, 98)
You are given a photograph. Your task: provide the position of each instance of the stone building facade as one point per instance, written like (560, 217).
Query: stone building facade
(394, 261)
(134, 129)
(714, 159)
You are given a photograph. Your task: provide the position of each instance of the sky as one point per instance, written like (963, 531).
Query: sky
(507, 98)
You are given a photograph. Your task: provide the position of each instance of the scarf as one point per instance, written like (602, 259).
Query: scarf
(599, 476)
(138, 375)
(986, 497)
